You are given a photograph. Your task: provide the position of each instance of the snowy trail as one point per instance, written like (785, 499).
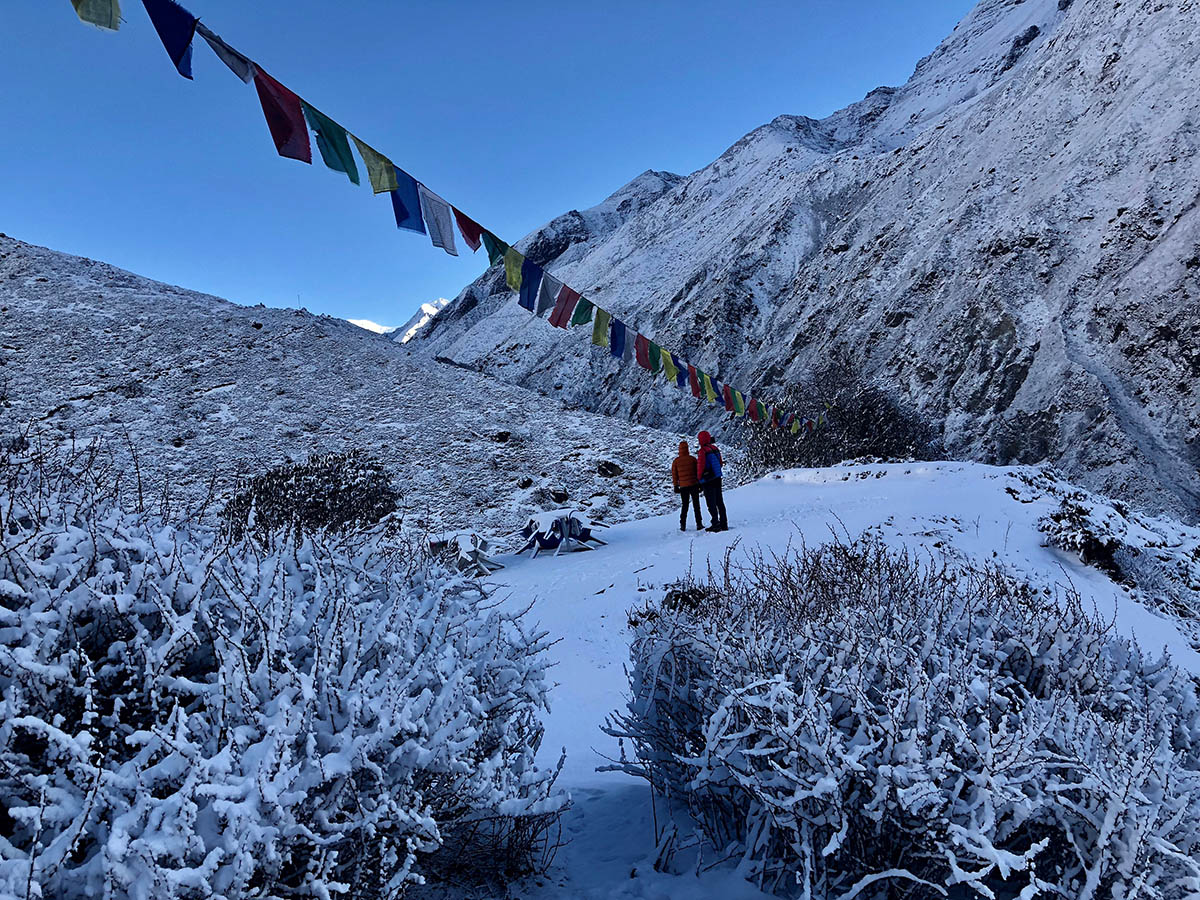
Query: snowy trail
(582, 599)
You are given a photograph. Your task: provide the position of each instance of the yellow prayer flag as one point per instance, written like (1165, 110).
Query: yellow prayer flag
(709, 393)
(380, 170)
(102, 13)
(512, 268)
(600, 329)
(672, 371)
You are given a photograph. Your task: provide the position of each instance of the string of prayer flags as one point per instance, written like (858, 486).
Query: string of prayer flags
(564, 308)
(531, 282)
(471, 231)
(439, 219)
(583, 312)
(600, 328)
(285, 117)
(332, 142)
(513, 260)
(381, 171)
(101, 13)
(176, 28)
(239, 64)
(547, 294)
(616, 339)
(406, 202)
(495, 247)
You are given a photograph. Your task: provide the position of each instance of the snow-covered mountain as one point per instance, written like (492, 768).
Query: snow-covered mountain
(204, 386)
(1011, 238)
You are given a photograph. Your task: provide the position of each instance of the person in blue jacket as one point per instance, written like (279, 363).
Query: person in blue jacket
(708, 468)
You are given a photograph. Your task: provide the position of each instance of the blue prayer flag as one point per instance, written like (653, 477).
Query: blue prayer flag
(681, 376)
(531, 280)
(407, 203)
(176, 27)
(616, 339)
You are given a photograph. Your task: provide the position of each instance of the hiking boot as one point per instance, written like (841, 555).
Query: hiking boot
(713, 528)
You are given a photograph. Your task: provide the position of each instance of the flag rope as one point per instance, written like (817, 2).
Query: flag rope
(419, 209)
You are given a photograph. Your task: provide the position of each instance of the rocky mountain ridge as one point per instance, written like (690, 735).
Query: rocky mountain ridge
(1010, 240)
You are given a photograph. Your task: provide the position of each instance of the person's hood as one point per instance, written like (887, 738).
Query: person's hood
(683, 449)
(705, 438)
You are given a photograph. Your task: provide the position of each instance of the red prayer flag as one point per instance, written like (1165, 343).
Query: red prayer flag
(754, 414)
(471, 230)
(729, 407)
(694, 380)
(564, 308)
(641, 347)
(774, 417)
(285, 118)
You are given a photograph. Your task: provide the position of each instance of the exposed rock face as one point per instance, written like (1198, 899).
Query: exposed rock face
(1011, 239)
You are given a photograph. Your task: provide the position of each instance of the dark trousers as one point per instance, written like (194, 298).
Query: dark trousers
(716, 503)
(692, 494)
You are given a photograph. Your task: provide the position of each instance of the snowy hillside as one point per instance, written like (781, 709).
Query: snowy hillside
(969, 512)
(1010, 238)
(204, 386)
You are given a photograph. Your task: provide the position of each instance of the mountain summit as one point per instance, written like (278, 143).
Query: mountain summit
(1010, 240)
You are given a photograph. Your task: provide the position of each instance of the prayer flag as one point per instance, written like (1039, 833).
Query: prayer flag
(176, 27)
(774, 417)
(694, 380)
(285, 117)
(754, 411)
(709, 393)
(669, 366)
(471, 230)
(810, 425)
(641, 345)
(764, 414)
(583, 311)
(495, 247)
(627, 354)
(564, 308)
(239, 64)
(787, 421)
(728, 399)
(438, 219)
(406, 202)
(332, 141)
(681, 380)
(531, 281)
(616, 338)
(547, 293)
(513, 260)
(101, 13)
(655, 358)
(381, 172)
(795, 425)
(600, 329)
(739, 403)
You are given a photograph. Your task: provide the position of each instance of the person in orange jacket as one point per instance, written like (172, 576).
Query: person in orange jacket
(708, 470)
(687, 484)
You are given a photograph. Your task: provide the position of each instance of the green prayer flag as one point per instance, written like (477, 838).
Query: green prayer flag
(764, 414)
(655, 358)
(583, 312)
(513, 260)
(600, 329)
(669, 366)
(495, 247)
(739, 403)
(332, 141)
(709, 393)
(795, 425)
(380, 170)
(101, 13)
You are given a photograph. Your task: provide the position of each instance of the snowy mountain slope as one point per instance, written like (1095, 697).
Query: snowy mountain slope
(970, 512)
(202, 385)
(1010, 238)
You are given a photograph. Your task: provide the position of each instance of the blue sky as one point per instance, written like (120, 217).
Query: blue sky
(514, 112)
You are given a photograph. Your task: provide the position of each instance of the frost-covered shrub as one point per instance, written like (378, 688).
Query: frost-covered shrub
(851, 721)
(329, 492)
(862, 418)
(181, 718)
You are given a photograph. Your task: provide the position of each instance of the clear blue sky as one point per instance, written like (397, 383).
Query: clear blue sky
(514, 112)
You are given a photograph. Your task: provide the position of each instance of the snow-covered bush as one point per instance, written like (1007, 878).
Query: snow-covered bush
(862, 418)
(850, 721)
(332, 491)
(181, 718)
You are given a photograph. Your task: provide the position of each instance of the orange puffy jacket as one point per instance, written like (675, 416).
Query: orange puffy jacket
(683, 469)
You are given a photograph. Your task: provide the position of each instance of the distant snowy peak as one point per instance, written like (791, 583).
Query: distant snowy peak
(368, 325)
(419, 320)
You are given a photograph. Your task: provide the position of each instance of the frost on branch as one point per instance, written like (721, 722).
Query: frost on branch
(849, 721)
(182, 718)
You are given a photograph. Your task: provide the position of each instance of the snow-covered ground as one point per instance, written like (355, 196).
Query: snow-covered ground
(967, 510)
